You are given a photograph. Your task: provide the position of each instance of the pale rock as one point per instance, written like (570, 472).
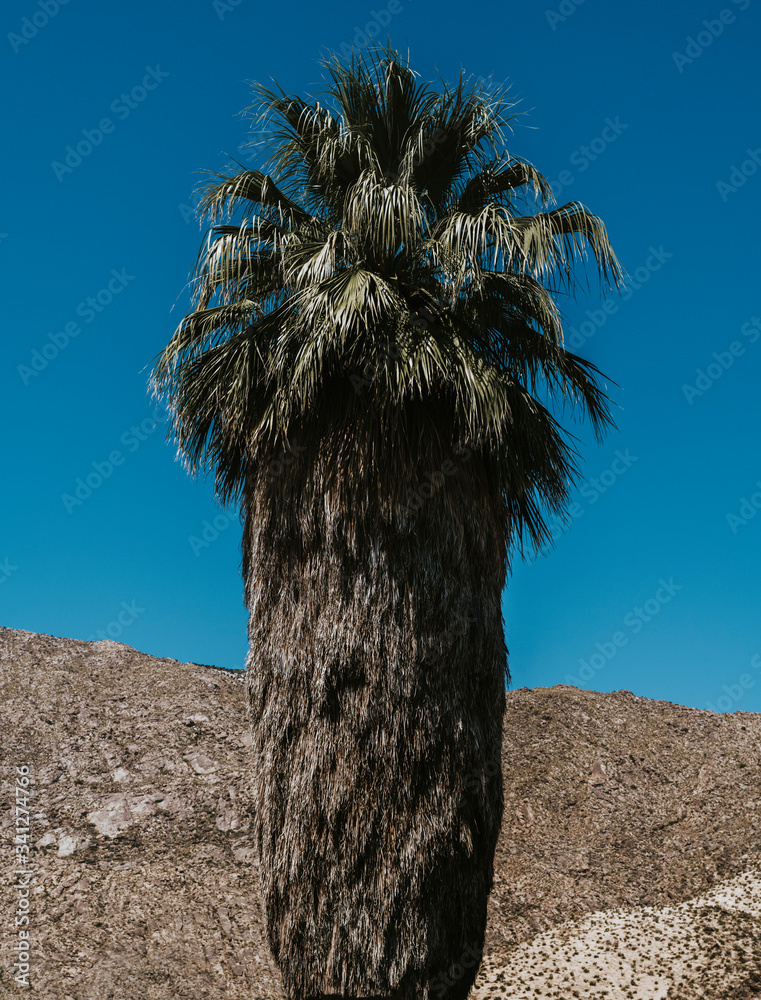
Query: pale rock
(69, 844)
(202, 764)
(113, 818)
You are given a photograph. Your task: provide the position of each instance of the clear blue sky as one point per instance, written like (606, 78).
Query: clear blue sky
(645, 112)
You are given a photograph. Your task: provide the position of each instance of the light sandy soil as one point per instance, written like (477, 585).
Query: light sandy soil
(707, 945)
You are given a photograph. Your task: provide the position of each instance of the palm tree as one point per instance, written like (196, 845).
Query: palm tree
(369, 372)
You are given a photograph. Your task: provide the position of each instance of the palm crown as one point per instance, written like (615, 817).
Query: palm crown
(387, 293)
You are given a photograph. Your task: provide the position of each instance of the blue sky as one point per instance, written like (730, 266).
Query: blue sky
(646, 113)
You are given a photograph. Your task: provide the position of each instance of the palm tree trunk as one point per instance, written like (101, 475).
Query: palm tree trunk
(376, 684)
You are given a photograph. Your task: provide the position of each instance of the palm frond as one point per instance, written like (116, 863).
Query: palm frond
(495, 181)
(392, 216)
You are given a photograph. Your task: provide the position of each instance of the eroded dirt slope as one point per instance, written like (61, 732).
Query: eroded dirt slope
(623, 817)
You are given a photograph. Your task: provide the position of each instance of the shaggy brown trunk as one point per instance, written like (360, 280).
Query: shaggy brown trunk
(376, 682)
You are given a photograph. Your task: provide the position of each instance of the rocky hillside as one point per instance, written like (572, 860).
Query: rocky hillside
(629, 863)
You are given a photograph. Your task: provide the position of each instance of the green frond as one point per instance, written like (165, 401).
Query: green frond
(384, 296)
(384, 217)
(553, 241)
(250, 186)
(492, 182)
